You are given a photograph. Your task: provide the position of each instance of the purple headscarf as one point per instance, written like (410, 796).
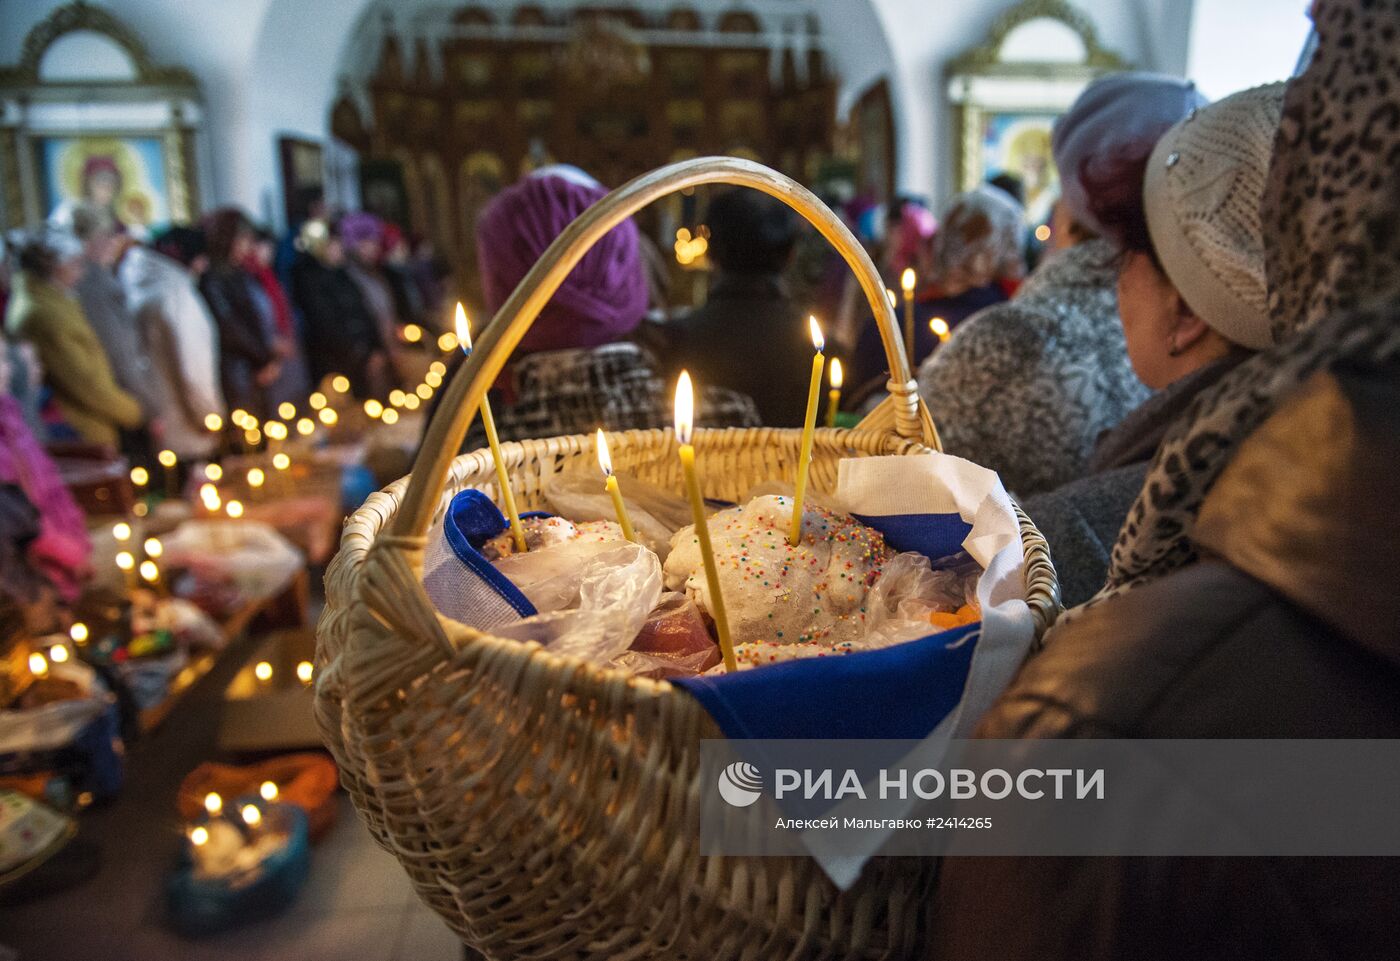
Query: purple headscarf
(358, 226)
(604, 297)
(1109, 132)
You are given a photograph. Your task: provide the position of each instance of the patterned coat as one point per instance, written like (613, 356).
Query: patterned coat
(1026, 387)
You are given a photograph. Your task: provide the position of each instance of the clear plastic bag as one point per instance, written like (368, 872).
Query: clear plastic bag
(673, 642)
(592, 596)
(656, 514)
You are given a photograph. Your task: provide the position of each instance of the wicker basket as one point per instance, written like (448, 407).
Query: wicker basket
(549, 808)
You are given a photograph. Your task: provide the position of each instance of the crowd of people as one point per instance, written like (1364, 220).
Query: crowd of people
(132, 344)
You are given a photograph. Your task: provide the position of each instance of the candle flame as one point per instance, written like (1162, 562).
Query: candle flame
(263, 671)
(154, 548)
(685, 408)
(268, 791)
(126, 561)
(38, 664)
(251, 815)
(78, 632)
(939, 326)
(166, 458)
(604, 457)
(213, 422)
(305, 671)
(214, 472)
(140, 476)
(149, 572)
(836, 375)
(464, 329)
(907, 280)
(213, 803)
(121, 531)
(58, 654)
(199, 836)
(818, 339)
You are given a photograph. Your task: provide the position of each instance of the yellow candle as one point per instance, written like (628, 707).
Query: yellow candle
(833, 396)
(685, 423)
(939, 326)
(620, 508)
(804, 456)
(464, 337)
(127, 562)
(168, 460)
(908, 281)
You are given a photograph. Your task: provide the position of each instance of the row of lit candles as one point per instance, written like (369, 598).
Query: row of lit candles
(250, 813)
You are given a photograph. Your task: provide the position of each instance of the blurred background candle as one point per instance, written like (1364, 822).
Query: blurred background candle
(605, 462)
(685, 429)
(168, 461)
(488, 422)
(804, 455)
(833, 396)
(126, 562)
(939, 326)
(909, 281)
(140, 477)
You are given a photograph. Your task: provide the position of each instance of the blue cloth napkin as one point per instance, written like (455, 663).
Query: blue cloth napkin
(899, 692)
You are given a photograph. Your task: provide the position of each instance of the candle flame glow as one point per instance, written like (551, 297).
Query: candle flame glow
(263, 671)
(126, 561)
(268, 791)
(305, 670)
(213, 803)
(213, 423)
(154, 548)
(235, 509)
(818, 339)
(140, 476)
(214, 472)
(166, 458)
(464, 329)
(939, 326)
(281, 461)
(58, 654)
(199, 836)
(38, 664)
(685, 408)
(149, 572)
(836, 376)
(604, 458)
(251, 815)
(286, 410)
(907, 280)
(121, 531)
(78, 632)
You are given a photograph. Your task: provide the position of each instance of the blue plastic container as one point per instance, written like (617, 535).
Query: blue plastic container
(203, 906)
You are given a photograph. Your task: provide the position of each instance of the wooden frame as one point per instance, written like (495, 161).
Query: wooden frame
(985, 85)
(154, 101)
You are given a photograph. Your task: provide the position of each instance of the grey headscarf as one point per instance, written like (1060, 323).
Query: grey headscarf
(1330, 213)
(979, 241)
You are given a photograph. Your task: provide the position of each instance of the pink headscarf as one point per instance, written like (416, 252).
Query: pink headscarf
(604, 297)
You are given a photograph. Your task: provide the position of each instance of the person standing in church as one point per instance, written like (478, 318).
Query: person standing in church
(43, 311)
(104, 305)
(248, 362)
(340, 334)
(749, 329)
(161, 292)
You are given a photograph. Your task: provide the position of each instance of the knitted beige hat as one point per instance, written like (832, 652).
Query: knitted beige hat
(1202, 195)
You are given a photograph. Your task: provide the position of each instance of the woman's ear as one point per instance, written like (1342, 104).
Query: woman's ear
(1188, 329)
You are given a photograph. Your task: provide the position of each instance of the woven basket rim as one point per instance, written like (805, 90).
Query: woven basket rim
(463, 637)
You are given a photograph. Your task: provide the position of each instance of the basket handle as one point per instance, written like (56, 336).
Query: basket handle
(903, 412)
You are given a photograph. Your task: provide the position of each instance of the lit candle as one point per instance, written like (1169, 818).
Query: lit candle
(833, 396)
(252, 817)
(340, 383)
(58, 654)
(38, 665)
(306, 426)
(214, 472)
(373, 409)
(263, 671)
(127, 562)
(154, 548)
(605, 462)
(268, 791)
(305, 671)
(79, 633)
(234, 509)
(150, 573)
(809, 424)
(908, 281)
(213, 804)
(685, 426)
(939, 326)
(121, 531)
(464, 337)
(140, 477)
(213, 423)
(199, 835)
(286, 410)
(168, 460)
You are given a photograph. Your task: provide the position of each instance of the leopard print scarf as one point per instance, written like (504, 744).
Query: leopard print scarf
(1330, 216)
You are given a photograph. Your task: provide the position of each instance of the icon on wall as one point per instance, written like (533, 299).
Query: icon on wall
(124, 176)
